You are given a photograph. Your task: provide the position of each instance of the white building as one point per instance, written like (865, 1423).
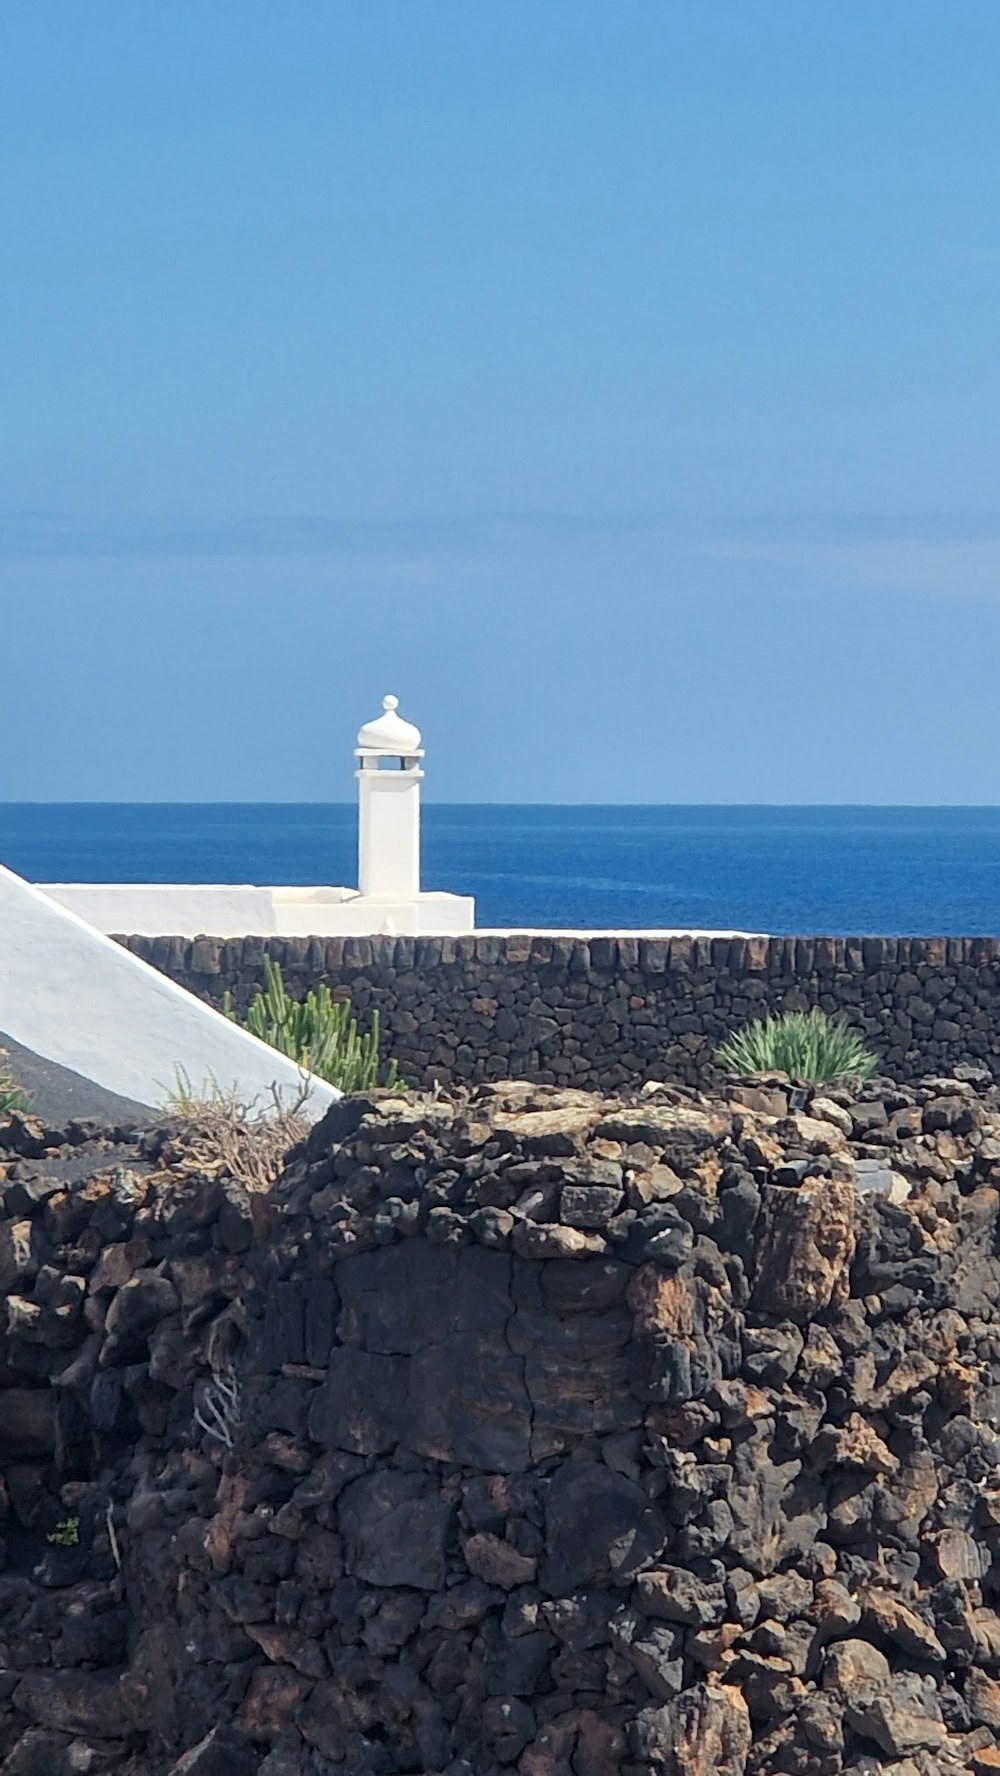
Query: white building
(388, 897)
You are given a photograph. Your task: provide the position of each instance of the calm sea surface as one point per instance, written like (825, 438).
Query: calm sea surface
(846, 870)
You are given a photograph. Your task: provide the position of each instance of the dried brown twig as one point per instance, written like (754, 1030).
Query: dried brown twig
(217, 1135)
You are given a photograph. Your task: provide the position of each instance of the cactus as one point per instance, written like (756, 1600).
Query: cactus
(318, 1033)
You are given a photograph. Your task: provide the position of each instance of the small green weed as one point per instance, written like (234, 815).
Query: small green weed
(66, 1534)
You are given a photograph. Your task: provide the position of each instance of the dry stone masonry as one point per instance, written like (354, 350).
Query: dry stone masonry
(602, 1012)
(519, 1432)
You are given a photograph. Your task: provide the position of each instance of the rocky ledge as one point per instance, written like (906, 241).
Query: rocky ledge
(519, 1431)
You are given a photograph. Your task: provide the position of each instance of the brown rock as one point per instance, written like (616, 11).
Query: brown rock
(18, 1263)
(762, 1100)
(78, 1702)
(986, 1627)
(712, 1647)
(656, 1184)
(682, 1426)
(287, 1646)
(834, 1609)
(24, 1319)
(852, 1663)
(674, 1595)
(24, 1135)
(761, 1145)
(549, 1132)
(662, 1304)
(712, 1732)
(959, 1556)
(657, 1124)
(118, 1263)
(805, 1246)
(820, 1361)
(913, 1492)
(498, 1562)
(770, 1689)
(856, 1445)
(740, 1403)
(822, 1134)
(982, 1697)
(273, 1699)
(786, 1596)
(901, 1716)
(957, 1385)
(600, 1744)
(822, 1722)
(220, 1536)
(827, 1111)
(533, 1239)
(890, 1616)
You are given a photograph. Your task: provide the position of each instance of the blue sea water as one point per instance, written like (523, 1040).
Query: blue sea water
(816, 870)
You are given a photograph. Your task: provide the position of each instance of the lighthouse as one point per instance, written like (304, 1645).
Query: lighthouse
(389, 778)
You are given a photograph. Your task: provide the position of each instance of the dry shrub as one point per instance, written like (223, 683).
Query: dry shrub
(217, 1136)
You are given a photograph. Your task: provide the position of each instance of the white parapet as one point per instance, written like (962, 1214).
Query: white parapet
(169, 909)
(222, 909)
(77, 998)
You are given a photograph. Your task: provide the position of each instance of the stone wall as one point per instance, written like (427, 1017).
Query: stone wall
(520, 1433)
(604, 1012)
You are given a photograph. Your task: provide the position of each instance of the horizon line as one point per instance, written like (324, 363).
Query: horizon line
(246, 802)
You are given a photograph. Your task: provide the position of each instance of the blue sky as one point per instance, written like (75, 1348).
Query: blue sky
(618, 383)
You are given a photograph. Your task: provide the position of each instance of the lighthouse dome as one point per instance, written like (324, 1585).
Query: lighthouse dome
(389, 733)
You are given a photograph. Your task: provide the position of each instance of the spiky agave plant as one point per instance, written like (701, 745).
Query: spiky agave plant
(806, 1045)
(318, 1033)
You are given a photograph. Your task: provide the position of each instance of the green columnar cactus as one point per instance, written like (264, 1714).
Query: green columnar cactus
(318, 1033)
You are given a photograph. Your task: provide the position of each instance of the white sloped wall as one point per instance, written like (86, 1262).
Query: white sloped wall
(75, 997)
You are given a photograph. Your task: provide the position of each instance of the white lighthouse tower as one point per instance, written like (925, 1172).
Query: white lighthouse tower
(389, 778)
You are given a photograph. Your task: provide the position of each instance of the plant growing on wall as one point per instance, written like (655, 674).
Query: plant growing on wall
(219, 1413)
(806, 1045)
(213, 1133)
(318, 1033)
(66, 1534)
(11, 1095)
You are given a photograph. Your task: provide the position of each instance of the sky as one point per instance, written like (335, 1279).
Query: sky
(616, 383)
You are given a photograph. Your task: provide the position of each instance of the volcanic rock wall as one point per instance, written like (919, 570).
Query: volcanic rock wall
(604, 1012)
(521, 1432)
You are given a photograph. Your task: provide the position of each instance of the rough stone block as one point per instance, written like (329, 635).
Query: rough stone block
(395, 1528)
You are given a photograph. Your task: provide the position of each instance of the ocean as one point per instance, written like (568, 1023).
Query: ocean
(783, 870)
